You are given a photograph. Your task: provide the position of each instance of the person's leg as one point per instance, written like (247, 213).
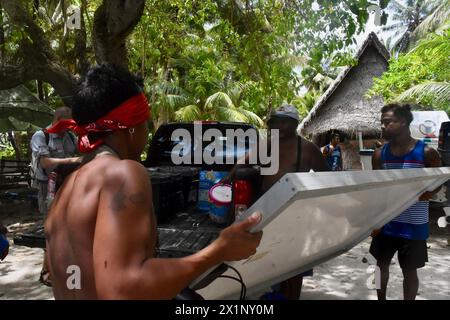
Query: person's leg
(384, 278)
(410, 284)
(292, 287)
(383, 249)
(42, 200)
(45, 277)
(412, 255)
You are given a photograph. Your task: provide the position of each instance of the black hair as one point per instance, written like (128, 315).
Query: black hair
(335, 135)
(104, 88)
(402, 111)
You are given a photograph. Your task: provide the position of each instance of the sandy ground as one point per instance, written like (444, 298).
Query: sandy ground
(19, 272)
(343, 278)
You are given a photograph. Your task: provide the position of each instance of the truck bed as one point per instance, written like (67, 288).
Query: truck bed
(182, 236)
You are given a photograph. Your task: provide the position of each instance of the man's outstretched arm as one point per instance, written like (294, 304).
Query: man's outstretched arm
(48, 163)
(125, 237)
(432, 160)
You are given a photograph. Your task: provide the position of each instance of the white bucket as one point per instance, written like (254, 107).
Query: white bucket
(365, 156)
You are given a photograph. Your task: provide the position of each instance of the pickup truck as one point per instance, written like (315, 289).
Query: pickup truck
(183, 229)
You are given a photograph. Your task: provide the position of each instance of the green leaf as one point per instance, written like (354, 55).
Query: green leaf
(188, 113)
(219, 99)
(437, 92)
(351, 28)
(228, 114)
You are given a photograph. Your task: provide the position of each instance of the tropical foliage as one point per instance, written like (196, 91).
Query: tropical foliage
(407, 16)
(420, 76)
(209, 59)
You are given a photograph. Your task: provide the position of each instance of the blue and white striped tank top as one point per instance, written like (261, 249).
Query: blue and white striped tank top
(413, 222)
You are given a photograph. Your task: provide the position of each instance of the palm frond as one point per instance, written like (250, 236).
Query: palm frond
(182, 63)
(188, 113)
(252, 117)
(235, 91)
(396, 6)
(219, 99)
(394, 26)
(437, 92)
(169, 97)
(174, 101)
(440, 15)
(433, 45)
(229, 114)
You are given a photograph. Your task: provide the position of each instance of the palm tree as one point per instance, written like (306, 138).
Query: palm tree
(225, 105)
(170, 102)
(407, 17)
(435, 91)
(439, 19)
(438, 93)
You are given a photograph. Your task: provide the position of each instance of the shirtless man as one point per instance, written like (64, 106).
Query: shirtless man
(101, 219)
(296, 154)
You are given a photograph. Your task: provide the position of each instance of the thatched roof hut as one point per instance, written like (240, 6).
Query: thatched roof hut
(343, 107)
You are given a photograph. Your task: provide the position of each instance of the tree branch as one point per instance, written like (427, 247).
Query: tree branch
(82, 65)
(39, 60)
(2, 38)
(113, 22)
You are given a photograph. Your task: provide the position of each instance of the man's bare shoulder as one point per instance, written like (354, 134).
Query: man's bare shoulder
(125, 171)
(114, 171)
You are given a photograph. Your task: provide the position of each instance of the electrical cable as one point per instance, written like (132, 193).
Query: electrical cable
(240, 280)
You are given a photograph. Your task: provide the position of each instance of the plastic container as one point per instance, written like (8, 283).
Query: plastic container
(207, 179)
(243, 194)
(220, 196)
(366, 158)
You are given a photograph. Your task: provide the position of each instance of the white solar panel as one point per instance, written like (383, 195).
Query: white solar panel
(309, 218)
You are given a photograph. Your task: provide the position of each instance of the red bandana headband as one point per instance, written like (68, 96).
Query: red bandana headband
(129, 114)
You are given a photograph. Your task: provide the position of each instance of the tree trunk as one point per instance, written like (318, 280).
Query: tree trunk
(38, 58)
(143, 54)
(113, 22)
(82, 63)
(63, 45)
(2, 38)
(40, 90)
(13, 142)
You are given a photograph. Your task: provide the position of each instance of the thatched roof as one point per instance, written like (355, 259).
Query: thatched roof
(343, 106)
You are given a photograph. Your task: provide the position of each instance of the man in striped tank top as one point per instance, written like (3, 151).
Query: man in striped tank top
(407, 233)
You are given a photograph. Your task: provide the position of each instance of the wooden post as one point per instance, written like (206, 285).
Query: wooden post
(361, 144)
